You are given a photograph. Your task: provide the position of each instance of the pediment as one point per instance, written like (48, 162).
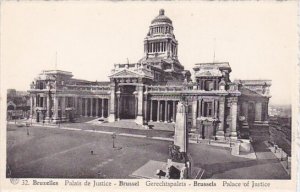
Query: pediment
(248, 92)
(125, 73)
(209, 73)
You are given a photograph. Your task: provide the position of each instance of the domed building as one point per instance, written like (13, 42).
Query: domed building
(150, 89)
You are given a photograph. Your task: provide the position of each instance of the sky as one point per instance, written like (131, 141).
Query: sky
(258, 39)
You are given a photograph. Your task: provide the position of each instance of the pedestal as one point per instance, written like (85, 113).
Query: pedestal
(233, 135)
(220, 135)
(111, 118)
(139, 120)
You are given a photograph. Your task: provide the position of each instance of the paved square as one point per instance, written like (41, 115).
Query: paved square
(66, 153)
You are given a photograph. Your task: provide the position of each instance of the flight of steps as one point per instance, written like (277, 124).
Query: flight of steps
(259, 133)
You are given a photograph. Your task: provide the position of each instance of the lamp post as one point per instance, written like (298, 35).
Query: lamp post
(27, 129)
(113, 136)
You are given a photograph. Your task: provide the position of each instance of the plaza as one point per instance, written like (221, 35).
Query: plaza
(65, 152)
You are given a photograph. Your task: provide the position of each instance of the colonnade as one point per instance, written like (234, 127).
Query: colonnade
(257, 110)
(94, 107)
(163, 110)
(54, 107)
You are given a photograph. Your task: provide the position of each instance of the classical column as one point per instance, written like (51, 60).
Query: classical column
(202, 108)
(63, 108)
(48, 108)
(76, 105)
(174, 111)
(80, 106)
(111, 117)
(245, 110)
(220, 131)
(45, 102)
(199, 108)
(145, 107)
(34, 106)
(86, 107)
(194, 113)
(151, 108)
(102, 108)
(55, 111)
(107, 107)
(31, 106)
(216, 106)
(97, 106)
(166, 111)
(91, 113)
(139, 117)
(158, 111)
(267, 111)
(258, 111)
(233, 133)
(169, 110)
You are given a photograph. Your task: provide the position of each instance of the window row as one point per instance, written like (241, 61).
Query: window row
(155, 30)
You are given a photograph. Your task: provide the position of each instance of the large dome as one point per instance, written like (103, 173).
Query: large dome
(161, 18)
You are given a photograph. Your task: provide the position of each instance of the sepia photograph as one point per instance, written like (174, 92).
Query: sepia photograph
(148, 90)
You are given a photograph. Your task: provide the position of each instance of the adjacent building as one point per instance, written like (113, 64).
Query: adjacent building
(149, 90)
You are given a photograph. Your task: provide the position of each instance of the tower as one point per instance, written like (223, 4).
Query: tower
(161, 47)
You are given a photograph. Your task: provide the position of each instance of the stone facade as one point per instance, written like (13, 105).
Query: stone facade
(150, 90)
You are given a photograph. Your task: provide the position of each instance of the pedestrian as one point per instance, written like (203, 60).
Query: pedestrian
(92, 152)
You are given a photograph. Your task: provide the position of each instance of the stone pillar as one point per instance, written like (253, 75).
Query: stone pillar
(234, 114)
(220, 131)
(194, 113)
(216, 107)
(45, 102)
(199, 107)
(31, 106)
(63, 108)
(174, 111)
(97, 107)
(151, 110)
(258, 111)
(80, 106)
(169, 110)
(118, 106)
(146, 107)
(102, 108)
(48, 108)
(55, 111)
(34, 106)
(91, 104)
(86, 107)
(267, 111)
(108, 107)
(111, 117)
(166, 111)
(202, 108)
(76, 105)
(158, 110)
(180, 136)
(139, 117)
(245, 110)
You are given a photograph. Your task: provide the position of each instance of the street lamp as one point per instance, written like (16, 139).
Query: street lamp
(27, 129)
(113, 136)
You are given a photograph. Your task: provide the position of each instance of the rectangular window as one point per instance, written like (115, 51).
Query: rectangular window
(208, 109)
